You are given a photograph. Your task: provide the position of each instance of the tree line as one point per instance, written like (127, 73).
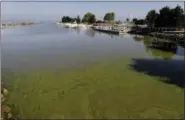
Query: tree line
(167, 17)
(89, 18)
(66, 19)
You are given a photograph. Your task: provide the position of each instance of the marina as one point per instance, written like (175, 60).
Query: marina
(87, 63)
(51, 63)
(74, 25)
(112, 28)
(177, 36)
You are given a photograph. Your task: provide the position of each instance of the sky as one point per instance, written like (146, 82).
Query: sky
(53, 11)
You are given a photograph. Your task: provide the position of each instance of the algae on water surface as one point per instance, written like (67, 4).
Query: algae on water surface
(112, 89)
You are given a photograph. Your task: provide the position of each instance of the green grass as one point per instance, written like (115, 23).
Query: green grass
(109, 89)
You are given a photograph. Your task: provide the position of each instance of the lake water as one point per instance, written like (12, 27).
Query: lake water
(37, 59)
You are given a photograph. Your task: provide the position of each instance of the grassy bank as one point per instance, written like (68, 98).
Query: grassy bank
(111, 89)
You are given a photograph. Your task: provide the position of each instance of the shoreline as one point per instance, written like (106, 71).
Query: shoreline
(6, 110)
(78, 25)
(17, 24)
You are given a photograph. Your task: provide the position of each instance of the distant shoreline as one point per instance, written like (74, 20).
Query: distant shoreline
(16, 24)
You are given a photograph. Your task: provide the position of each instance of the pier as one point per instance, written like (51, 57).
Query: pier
(165, 29)
(111, 28)
(169, 33)
(174, 36)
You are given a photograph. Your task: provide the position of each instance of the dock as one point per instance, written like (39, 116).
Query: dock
(108, 31)
(172, 35)
(111, 28)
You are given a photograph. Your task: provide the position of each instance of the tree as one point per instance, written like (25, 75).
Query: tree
(99, 21)
(139, 21)
(92, 19)
(109, 17)
(164, 17)
(64, 19)
(151, 18)
(67, 19)
(127, 19)
(167, 17)
(134, 20)
(178, 16)
(89, 18)
(78, 20)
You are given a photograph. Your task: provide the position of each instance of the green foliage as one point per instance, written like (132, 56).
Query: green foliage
(109, 16)
(78, 20)
(127, 19)
(134, 20)
(167, 17)
(178, 16)
(67, 19)
(89, 18)
(151, 18)
(138, 21)
(99, 21)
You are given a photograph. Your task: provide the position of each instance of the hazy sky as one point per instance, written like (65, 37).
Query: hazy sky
(54, 10)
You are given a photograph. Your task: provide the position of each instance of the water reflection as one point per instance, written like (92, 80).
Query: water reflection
(138, 38)
(161, 54)
(78, 30)
(90, 33)
(75, 30)
(160, 48)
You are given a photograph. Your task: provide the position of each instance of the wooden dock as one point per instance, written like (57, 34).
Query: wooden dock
(174, 36)
(166, 29)
(111, 28)
(108, 31)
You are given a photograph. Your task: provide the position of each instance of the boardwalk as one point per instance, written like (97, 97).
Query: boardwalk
(175, 36)
(165, 29)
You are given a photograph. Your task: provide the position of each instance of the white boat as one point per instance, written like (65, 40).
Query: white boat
(82, 26)
(73, 25)
(60, 24)
(67, 24)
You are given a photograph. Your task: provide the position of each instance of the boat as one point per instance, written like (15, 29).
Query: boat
(66, 25)
(73, 25)
(82, 26)
(109, 28)
(60, 24)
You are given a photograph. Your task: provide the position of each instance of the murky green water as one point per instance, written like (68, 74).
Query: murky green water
(55, 72)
